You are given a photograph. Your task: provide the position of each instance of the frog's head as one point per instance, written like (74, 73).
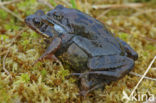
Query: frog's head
(34, 21)
(63, 19)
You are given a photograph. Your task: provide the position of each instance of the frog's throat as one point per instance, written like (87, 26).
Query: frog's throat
(52, 22)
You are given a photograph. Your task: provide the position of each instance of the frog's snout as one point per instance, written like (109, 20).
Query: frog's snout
(30, 19)
(27, 20)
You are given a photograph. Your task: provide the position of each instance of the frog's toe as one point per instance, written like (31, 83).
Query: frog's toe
(134, 55)
(131, 53)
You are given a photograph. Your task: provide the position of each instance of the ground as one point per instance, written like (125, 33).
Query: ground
(46, 82)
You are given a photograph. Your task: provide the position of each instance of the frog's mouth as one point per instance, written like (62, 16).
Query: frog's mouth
(38, 30)
(43, 29)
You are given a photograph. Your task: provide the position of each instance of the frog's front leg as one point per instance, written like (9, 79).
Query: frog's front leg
(54, 45)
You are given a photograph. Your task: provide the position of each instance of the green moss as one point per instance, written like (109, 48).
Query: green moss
(33, 35)
(73, 4)
(53, 3)
(27, 6)
(123, 36)
(63, 73)
(11, 25)
(3, 37)
(45, 81)
(6, 95)
(3, 14)
(25, 43)
(25, 78)
(43, 73)
(151, 47)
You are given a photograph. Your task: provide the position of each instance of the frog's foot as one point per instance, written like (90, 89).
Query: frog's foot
(50, 56)
(110, 67)
(84, 93)
(54, 45)
(88, 84)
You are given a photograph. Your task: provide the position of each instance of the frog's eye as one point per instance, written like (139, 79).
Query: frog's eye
(57, 16)
(37, 22)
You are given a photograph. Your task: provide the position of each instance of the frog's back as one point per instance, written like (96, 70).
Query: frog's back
(95, 30)
(86, 26)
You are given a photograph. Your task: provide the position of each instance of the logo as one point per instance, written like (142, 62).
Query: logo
(140, 97)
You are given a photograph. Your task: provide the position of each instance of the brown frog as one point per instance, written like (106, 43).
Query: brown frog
(85, 44)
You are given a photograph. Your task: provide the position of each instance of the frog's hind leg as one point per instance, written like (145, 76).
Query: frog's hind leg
(129, 50)
(110, 67)
(104, 69)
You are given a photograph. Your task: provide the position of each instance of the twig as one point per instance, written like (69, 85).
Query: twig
(86, 5)
(144, 12)
(6, 71)
(141, 78)
(118, 28)
(12, 13)
(2, 53)
(65, 2)
(103, 13)
(128, 32)
(9, 2)
(149, 39)
(132, 5)
(46, 3)
(138, 75)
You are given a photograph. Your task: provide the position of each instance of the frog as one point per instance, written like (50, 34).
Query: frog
(84, 44)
